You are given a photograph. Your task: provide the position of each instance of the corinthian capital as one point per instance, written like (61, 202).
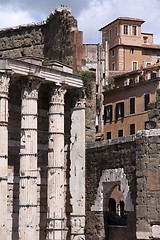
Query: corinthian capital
(57, 95)
(4, 82)
(31, 88)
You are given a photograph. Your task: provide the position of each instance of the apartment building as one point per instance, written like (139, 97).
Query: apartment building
(126, 103)
(127, 47)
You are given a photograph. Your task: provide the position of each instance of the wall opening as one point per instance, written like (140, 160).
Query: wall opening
(114, 210)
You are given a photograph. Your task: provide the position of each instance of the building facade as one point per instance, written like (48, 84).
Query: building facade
(127, 47)
(126, 104)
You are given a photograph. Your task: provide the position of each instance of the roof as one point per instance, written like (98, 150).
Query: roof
(125, 19)
(154, 46)
(154, 67)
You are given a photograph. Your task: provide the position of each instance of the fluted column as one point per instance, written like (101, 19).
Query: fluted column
(77, 172)
(28, 219)
(56, 179)
(4, 86)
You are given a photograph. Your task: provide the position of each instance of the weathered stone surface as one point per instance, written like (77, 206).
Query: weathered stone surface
(140, 160)
(98, 160)
(51, 39)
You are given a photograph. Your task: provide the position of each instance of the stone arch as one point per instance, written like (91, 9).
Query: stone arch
(109, 179)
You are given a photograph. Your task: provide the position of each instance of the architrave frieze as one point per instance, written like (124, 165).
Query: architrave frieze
(49, 74)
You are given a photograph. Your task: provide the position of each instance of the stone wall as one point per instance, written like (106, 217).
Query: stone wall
(134, 164)
(90, 117)
(99, 158)
(148, 184)
(57, 38)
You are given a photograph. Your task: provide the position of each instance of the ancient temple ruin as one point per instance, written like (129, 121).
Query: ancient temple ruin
(42, 151)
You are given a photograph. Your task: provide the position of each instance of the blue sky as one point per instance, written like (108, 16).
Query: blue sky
(91, 14)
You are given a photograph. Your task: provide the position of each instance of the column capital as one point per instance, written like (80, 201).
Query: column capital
(4, 81)
(79, 98)
(31, 88)
(57, 94)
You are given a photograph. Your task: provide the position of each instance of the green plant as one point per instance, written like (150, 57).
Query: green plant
(89, 79)
(141, 78)
(110, 83)
(156, 68)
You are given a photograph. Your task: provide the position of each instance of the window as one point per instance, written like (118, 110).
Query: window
(134, 30)
(113, 53)
(145, 39)
(108, 113)
(120, 110)
(134, 66)
(110, 33)
(146, 52)
(146, 125)
(146, 101)
(132, 105)
(113, 66)
(116, 31)
(108, 135)
(120, 133)
(125, 29)
(158, 52)
(132, 129)
(132, 51)
(148, 64)
(153, 75)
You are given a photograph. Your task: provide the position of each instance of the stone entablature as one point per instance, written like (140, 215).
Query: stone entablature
(45, 73)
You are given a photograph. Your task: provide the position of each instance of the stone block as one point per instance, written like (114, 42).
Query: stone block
(153, 180)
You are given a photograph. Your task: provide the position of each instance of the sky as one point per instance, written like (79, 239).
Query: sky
(90, 14)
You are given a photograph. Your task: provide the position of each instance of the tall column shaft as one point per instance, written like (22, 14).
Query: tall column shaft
(77, 172)
(28, 218)
(56, 178)
(4, 85)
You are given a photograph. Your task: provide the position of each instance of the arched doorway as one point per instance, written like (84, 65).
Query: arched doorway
(114, 184)
(114, 210)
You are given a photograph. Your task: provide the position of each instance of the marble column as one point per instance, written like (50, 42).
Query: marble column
(56, 172)
(4, 86)
(28, 218)
(77, 172)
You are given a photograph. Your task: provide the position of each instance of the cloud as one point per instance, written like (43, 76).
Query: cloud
(91, 14)
(101, 12)
(11, 16)
(42, 8)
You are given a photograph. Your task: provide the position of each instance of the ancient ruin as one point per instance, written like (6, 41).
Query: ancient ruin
(42, 148)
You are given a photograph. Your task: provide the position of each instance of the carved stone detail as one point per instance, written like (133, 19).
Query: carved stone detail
(4, 82)
(31, 90)
(77, 225)
(57, 95)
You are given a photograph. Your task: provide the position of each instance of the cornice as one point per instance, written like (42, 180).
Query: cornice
(21, 68)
